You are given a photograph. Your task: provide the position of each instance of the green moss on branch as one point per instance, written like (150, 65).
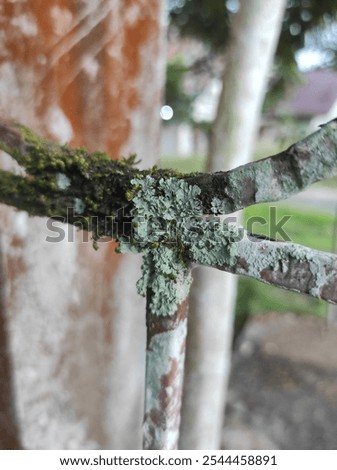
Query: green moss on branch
(67, 183)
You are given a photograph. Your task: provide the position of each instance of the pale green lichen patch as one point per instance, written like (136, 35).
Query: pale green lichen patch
(319, 271)
(62, 181)
(168, 279)
(79, 206)
(211, 242)
(169, 228)
(259, 255)
(161, 208)
(218, 206)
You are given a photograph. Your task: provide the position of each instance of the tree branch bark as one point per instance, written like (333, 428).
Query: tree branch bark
(165, 358)
(59, 175)
(286, 265)
(273, 178)
(98, 188)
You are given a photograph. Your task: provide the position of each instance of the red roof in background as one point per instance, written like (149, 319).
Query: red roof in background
(315, 95)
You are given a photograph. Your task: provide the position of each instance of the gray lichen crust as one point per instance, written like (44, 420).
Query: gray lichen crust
(169, 228)
(287, 265)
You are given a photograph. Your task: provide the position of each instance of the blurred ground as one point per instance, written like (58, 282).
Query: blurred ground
(283, 388)
(317, 197)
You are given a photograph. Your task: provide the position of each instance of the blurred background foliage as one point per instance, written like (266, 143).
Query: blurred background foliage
(175, 95)
(307, 23)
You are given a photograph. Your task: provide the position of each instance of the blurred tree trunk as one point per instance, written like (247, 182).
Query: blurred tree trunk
(90, 73)
(9, 429)
(254, 33)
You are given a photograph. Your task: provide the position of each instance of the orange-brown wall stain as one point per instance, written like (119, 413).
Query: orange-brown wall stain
(84, 59)
(99, 112)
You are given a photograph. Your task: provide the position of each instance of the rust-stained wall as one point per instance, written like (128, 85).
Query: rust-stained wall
(89, 73)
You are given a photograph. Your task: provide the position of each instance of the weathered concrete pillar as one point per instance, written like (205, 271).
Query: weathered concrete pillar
(88, 73)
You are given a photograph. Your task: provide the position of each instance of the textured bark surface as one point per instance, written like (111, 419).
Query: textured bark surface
(89, 73)
(107, 183)
(165, 357)
(286, 265)
(253, 39)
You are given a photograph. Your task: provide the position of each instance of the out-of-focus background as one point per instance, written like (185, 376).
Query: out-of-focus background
(170, 79)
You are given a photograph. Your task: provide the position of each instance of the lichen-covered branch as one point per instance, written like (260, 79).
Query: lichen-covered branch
(171, 217)
(274, 178)
(286, 265)
(102, 187)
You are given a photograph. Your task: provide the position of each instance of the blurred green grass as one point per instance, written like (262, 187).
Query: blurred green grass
(307, 227)
(184, 164)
